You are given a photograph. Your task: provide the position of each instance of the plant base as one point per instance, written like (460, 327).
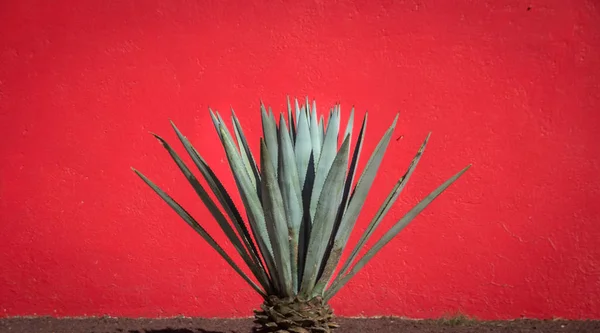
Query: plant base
(294, 315)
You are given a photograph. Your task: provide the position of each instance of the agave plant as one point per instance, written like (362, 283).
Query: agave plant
(301, 206)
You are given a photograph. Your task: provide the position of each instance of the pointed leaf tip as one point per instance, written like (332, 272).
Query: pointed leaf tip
(395, 119)
(162, 141)
(391, 233)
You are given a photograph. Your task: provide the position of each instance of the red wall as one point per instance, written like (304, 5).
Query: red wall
(510, 86)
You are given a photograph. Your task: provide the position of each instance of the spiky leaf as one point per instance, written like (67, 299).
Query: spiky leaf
(245, 152)
(270, 134)
(328, 154)
(251, 201)
(385, 207)
(275, 219)
(388, 236)
(325, 218)
(292, 196)
(198, 228)
(217, 214)
(224, 199)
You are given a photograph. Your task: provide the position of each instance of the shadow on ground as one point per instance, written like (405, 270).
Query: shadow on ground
(175, 330)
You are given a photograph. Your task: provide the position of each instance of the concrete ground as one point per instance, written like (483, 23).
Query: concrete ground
(348, 325)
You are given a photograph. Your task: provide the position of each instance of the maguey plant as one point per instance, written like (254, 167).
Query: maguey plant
(301, 203)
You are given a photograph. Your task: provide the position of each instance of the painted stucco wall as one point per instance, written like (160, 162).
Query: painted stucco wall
(512, 87)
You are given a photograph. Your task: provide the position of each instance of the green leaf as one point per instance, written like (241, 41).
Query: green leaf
(315, 138)
(349, 125)
(222, 130)
(291, 121)
(245, 152)
(220, 122)
(306, 172)
(356, 202)
(270, 134)
(297, 115)
(325, 125)
(387, 204)
(321, 129)
(388, 236)
(328, 154)
(292, 196)
(354, 162)
(272, 117)
(362, 188)
(338, 114)
(275, 218)
(303, 148)
(326, 265)
(215, 120)
(224, 199)
(327, 209)
(383, 210)
(191, 222)
(216, 213)
(251, 201)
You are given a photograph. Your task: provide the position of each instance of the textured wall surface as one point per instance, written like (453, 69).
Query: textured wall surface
(510, 86)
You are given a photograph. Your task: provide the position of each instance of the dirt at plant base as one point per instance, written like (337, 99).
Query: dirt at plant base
(348, 325)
